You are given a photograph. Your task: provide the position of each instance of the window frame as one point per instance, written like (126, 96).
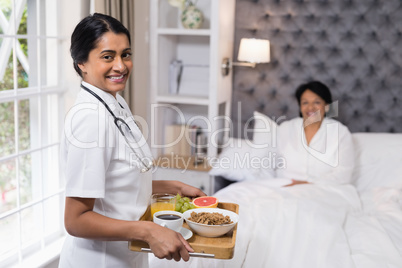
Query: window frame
(40, 122)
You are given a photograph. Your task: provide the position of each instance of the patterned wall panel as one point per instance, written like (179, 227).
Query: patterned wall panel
(353, 46)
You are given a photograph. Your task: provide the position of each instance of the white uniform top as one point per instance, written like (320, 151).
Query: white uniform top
(329, 158)
(98, 164)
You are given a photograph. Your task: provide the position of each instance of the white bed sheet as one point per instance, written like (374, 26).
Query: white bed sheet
(307, 226)
(385, 205)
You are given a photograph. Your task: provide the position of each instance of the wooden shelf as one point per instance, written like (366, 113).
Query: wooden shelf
(181, 162)
(183, 99)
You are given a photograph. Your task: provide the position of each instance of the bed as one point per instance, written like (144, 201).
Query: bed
(355, 225)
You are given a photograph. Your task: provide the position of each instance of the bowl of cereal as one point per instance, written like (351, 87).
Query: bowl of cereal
(210, 222)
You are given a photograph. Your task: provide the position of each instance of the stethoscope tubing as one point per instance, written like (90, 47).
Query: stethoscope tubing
(116, 120)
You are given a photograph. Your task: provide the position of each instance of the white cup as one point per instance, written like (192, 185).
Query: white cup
(169, 219)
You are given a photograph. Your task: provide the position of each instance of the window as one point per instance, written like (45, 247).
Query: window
(31, 201)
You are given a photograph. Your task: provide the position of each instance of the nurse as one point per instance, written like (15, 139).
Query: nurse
(316, 148)
(107, 162)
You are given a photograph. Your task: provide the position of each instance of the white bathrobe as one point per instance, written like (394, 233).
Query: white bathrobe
(329, 158)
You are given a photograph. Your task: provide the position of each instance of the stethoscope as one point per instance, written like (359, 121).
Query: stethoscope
(124, 128)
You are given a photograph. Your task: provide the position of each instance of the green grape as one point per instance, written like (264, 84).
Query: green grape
(183, 204)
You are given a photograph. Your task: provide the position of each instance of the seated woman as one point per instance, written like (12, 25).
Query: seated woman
(312, 148)
(316, 148)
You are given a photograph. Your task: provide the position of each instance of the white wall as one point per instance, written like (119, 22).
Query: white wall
(72, 12)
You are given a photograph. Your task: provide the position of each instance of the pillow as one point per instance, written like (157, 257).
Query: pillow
(246, 160)
(232, 163)
(378, 160)
(264, 136)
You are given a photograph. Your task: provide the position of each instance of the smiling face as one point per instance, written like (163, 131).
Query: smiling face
(312, 107)
(109, 63)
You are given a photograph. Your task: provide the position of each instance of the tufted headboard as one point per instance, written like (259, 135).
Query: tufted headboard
(353, 46)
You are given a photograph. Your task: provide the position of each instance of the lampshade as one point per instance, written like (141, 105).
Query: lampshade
(254, 50)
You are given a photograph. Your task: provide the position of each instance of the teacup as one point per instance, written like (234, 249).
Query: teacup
(169, 219)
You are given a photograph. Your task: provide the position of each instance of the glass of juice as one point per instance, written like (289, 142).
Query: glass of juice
(162, 202)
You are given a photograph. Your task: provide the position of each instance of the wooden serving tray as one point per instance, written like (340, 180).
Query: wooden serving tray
(211, 247)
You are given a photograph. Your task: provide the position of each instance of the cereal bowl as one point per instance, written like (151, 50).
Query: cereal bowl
(211, 230)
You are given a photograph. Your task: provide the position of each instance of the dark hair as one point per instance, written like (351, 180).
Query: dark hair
(318, 88)
(87, 34)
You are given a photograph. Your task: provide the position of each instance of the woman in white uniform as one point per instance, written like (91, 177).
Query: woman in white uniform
(107, 161)
(317, 149)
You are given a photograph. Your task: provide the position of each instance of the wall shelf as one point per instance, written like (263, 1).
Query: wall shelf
(175, 31)
(198, 96)
(182, 99)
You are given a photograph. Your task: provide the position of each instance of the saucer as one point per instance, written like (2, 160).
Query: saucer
(186, 233)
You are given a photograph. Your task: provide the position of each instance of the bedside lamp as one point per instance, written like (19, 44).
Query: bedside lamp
(251, 52)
